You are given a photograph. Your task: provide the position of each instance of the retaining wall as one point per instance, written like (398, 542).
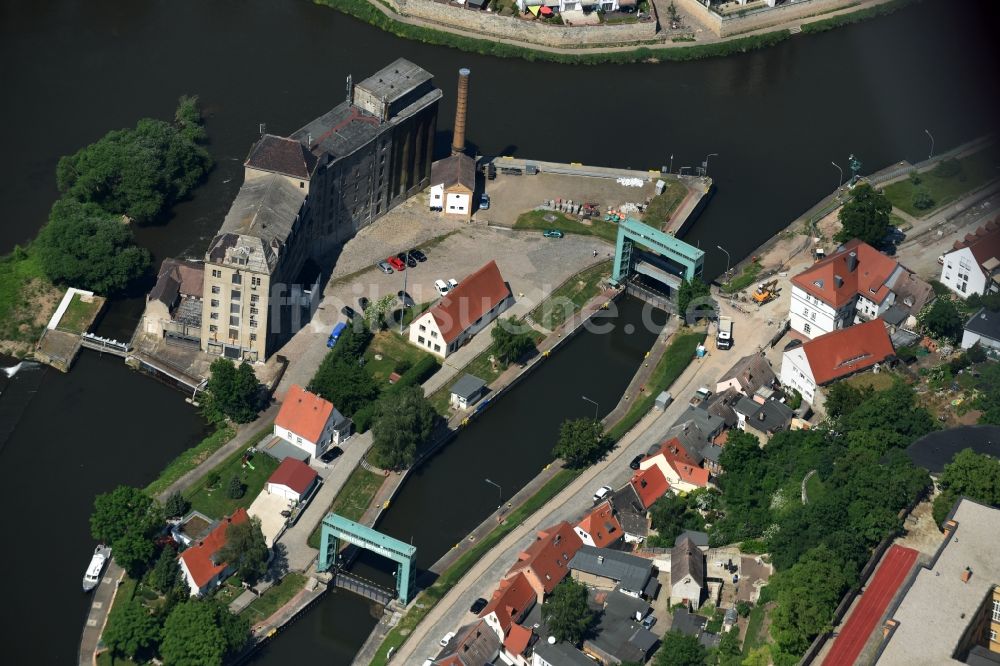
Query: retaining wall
(734, 24)
(493, 25)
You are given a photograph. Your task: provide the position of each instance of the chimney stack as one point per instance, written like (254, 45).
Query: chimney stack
(461, 107)
(838, 281)
(852, 261)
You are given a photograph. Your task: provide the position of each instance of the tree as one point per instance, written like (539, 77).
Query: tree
(671, 515)
(942, 320)
(970, 474)
(807, 594)
(730, 649)
(843, 398)
(246, 550)
(166, 574)
(511, 340)
(343, 382)
(133, 552)
(581, 442)
(695, 295)
(922, 199)
(131, 629)
(236, 488)
(566, 612)
(232, 392)
(201, 633)
(865, 216)
(680, 650)
(404, 421)
(86, 247)
(176, 505)
(378, 311)
(121, 511)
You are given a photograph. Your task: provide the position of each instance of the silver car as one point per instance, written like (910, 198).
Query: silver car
(384, 267)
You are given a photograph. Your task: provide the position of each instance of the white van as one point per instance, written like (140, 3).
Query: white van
(442, 287)
(452, 283)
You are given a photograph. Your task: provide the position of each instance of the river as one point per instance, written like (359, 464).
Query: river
(71, 71)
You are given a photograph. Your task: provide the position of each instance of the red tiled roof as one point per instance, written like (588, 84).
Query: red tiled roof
(511, 601)
(697, 476)
(471, 299)
(517, 639)
(984, 244)
(650, 485)
(847, 350)
(295, 474)
(548, 557)
(304, 413)
(601, 525)
(198, 558)
(867, 279)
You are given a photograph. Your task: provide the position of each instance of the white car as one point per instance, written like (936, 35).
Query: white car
(447, 639)
(601, 493)
(452, 283)
(442, 287)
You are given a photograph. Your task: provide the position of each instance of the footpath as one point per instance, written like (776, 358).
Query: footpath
(97, 617)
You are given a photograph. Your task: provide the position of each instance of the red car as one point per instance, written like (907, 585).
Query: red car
(396, 263)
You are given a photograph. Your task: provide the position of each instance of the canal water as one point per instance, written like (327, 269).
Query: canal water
(71, 71)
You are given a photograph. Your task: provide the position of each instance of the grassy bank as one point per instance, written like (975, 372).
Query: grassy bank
(945, 185)
(27, 299)
(571, 296)
(673, 362)
(431, 596)
(353, 499)
(855, 17)
(535, 219)
(366, 12)
(79, 315)
(123, 595)
(275, 597)
(744, 279)
(662, 206)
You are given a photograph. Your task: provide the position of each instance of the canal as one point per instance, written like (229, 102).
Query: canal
(71, 72)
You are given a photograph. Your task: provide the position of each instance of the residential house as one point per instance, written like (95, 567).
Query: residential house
(680, 465)
(982, 329)
(510, 603)
(649, 484)
(293, 479)
(834, 356)
(310, 423)
(200, 563)
(600, 528)
(467, 391)
(463, 312)
(173, 305)
(192, 528)
(973, 265)
(558, 654)
(517, 645)
(631, 513)
(747, 375)
(687, 573)
(764, 418)
(853, 284)
(699, 539)
(453, 182)
(619, 635)
(607, 569)
(546, 561)
(473, 645)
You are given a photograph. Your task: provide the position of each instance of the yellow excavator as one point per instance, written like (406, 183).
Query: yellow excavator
(766, 292)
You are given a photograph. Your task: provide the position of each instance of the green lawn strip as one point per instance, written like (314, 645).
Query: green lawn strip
(977, 170)
(662, 206)
(394, 349)
(21, 281)
(714, 624)
(814, 488)
(431, 596)
(854, 17)
(353, 499)
(673, 362)
(412, 313)
(535, 219)
(123, 595)
(752, 638)
(275, 597)
(569, 297)
(744, 279)
(190, 459)
(215, 501)
(78, 315)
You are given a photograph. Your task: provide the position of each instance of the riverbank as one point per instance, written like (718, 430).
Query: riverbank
(506, 42)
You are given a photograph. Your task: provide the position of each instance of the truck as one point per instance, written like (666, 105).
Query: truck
(700, 396)
(724, 339)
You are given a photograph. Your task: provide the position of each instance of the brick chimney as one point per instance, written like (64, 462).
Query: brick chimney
(461, 108)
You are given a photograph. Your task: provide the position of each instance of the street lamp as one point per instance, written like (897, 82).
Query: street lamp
(704, 165)
(500, 496)
(596, 406)
(840, 182)
(671, 163)
(727, 258)
(928, 133)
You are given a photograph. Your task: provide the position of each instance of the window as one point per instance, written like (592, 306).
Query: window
(255, 281)
(233, 334)
(216, 273)
(237, 278)
(254, 298)
(216, 289)
(253, 323)
(437, 348)
(813, 316)
(212, 328)
(301, 185)
(253, 336)
(993, 635)
(420, 339)
(234, 295)
(215, 302)
(434, 334)
(423, 328)
(962, 287)
(234, 308)
(806, 328)
(253, 311)
(996, 610)
(234, 321)
(214, 315)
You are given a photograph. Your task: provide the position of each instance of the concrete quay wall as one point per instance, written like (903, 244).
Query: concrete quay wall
(734, 24)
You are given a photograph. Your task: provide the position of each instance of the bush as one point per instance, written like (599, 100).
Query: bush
(916, 178)
(402, 366)
(753, 547)
(176, 505)
(212, 479)
(236, 488)
(743, 608)
(922, 200)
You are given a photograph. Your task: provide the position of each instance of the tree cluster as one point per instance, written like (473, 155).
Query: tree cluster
(341, 377)
(969, 474)
(673, 514)
(202, 633)
(865, 216)
(232, 392)
(942, 320)
(246, 550)
(566, 612)
(404, 421)
(581, 442)
(511, 340)
(680, 650)
(694, 301)
(127, 519)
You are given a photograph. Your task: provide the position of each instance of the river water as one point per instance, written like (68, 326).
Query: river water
(71, 72)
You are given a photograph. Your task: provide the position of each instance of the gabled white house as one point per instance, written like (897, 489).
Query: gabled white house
(973, 266)
(453, 182)
(463, 312)
(310, 423)
(982, 329)
(200, 563)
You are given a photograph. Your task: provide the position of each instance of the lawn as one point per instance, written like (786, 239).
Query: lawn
(977, 169)
(535, 219)
(571, 296)
(397, 354)
(662, 206)
(27, 298)
(353, 499)
(744, 279)
(79, 315)
(673, 362)
(275, 597)
(214, 500)
(879, 382)
(753, 639)
(123, 595)
(190, 459)
(815, 488)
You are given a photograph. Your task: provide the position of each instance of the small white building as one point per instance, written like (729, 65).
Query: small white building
(293, 480)
(687, 573)
(467, 391)
(464, 311)
(310, 423)
(973, 266)
(982, 328)
(453, 182)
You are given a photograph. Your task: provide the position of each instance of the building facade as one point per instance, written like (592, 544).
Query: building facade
(973, 266)
(310, 423)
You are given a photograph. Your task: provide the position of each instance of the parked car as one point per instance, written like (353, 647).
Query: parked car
(446, 639)
(331, 455)
(384, 266)
(602, 493)
(363, 303)
(407, 259)
(552, 233)
(335, 334)
(478, 605)
(700, 396)
(405, 299)
(484, 201)
(348, 312)
(442, 287)
(418, 255)
(635, 461)
(452, 283)
(397, 263)
(649, 621)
